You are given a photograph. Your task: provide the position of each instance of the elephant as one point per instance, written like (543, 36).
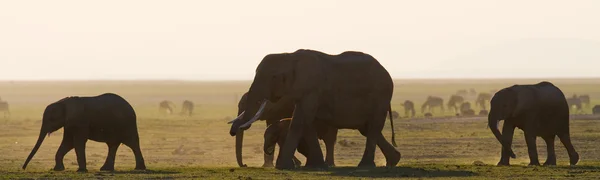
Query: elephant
(277, 132)
(273, 113)
(482, 99)
(104, 118)
(351, 90)
(585, 100)
(454, 101)
(187, 107)
(596, 109)
(166, 106)
(409, 106)
(431, 102)
(539, 110)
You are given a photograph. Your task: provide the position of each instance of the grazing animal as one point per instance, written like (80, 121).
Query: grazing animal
(483, 99)
(585, 100)
(462, 92)
(575, 102)
(465, 109)
(166, 107)
(454, 102)
(395, 115)
(105, 118)
(472, 92)
(432, 102)
(596, 109)
(468, 112)
(187, 107)
(409, 106)
(4, 107)
(483, 112)
(539, 110)
(428, 115)
(351, 90)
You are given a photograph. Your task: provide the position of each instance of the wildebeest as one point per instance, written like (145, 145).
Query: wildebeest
(166, 106)
(455, 101)
(187, 107)
(432, 102)
(596, 109)
(465, 109)
(585, 100)
(484, 112)
(462, 92)
(483, 99)
(4, 108)
(575, 101)
(409, 106)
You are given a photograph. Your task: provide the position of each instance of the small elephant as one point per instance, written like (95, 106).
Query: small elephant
(539, 110)
(105, 118)
(277, 132)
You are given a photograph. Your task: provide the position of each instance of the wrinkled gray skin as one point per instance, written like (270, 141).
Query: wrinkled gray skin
(346, 91)
(277, 132)
(539, 110)
(105, 118)
(272, 114)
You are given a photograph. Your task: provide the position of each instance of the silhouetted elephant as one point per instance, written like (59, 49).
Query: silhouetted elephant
(166, 106)
(596, 109)
(432, 102)
(454, 102)
(539, 110)
(585, 100)
(409, 106)
(187, 107)
(351, 90)
(4, 107)
(576, 102)
(482, 99)
(105, 118)
(277, 132)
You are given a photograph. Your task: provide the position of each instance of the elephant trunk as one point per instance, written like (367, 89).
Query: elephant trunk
(35, 148)
(239, 140)
(493, 124)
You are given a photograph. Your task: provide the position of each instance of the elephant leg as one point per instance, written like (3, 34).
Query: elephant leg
(392, 156)
(109, 164)
(268, 160)
(65, 146)
(551, 159)
(297, 162)
(330, 139)
(532, 148)
(315, 158)
(79, 142)
(134, 144)
(304, 114)
(573, 155)
(374, 129)
(508, 131)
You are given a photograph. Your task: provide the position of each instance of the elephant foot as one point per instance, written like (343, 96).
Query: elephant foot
(285, 165)
(503, 164)
(331, 164)
(268, 165)
(574, 159)
(59, 168)
(140, 167)
(107, 168)
(82, 170)
(550, 163)
(393, 160)
(364, 164)
(534, 164)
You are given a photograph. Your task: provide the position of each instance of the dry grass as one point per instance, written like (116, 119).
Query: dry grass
(200, 146)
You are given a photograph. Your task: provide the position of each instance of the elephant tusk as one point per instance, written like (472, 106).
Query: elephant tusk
(256, 116)
(237, 118)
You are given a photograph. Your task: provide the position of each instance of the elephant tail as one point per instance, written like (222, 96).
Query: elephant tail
(392, 125)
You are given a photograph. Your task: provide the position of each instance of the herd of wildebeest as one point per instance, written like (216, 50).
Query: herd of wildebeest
(308, 95)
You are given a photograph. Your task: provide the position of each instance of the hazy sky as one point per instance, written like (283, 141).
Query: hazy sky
(225, 40)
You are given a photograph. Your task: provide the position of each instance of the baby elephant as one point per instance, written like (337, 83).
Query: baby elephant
(277, 132)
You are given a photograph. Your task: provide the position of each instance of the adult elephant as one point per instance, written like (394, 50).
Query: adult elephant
(539, 110)
(346, 91)
(105, 118)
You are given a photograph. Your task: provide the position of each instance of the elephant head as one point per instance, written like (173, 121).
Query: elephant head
(281, 79)
(504, 104)
(56, 116)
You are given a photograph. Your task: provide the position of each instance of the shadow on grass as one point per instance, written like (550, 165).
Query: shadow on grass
(139, 172)
(394, 172)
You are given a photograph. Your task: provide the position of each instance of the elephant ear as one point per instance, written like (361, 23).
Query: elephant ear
(524, 99)
(306, 74)
(73, 110)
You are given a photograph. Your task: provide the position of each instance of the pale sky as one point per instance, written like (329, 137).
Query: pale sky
(225, 40)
